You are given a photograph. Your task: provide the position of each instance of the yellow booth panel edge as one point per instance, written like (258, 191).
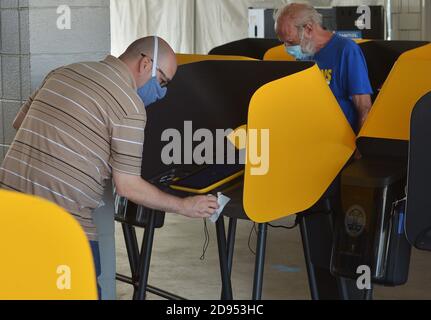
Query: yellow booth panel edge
(408, 81)
(310, 141)
(45, 253)
(278, 54)
(192, 58)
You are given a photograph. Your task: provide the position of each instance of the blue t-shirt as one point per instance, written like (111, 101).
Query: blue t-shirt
(345, 69)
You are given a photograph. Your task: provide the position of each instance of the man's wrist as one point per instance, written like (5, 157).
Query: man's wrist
(180, 206)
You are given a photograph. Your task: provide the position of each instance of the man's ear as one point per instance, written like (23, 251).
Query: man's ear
(309, 28)
(144, 64)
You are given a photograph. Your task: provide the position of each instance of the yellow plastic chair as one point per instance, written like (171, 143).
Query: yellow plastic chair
(45, 255)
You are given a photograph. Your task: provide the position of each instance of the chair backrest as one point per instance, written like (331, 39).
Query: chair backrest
(45, 255)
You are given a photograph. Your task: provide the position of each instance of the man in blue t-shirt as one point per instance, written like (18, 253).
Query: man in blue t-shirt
(341, 60)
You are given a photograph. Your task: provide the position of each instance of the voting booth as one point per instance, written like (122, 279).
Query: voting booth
(418, 219)
(371, 230)
(207, 94)
(310, 143)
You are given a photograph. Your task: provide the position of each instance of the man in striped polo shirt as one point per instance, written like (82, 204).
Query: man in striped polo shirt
(84, 126)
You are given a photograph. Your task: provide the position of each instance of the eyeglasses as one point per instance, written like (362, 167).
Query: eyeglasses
(165, 80)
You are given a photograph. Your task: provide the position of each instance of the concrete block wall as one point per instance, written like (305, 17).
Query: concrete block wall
(31, 45)
(14, 65)
(407, 19)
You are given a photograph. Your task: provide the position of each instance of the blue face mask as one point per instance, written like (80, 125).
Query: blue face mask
(297, 53)
(152, 91)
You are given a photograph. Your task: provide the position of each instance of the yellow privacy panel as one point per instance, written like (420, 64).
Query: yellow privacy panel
(191, 58)
(310, 141)
(359, 41)
(278, 54)
(408, 81)
(45, 255)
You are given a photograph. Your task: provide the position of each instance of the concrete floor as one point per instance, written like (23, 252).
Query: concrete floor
(176, 266)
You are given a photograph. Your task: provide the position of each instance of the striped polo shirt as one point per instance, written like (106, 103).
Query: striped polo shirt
(85, 120)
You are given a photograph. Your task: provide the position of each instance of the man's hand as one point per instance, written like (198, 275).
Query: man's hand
(199, 206)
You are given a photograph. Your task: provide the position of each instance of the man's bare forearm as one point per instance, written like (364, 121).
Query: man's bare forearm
(363, 105)
(143, 193)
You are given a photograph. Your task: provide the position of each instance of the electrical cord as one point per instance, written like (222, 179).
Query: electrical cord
(206, 242)
(272, 226)
(249, 238)
(286, 227)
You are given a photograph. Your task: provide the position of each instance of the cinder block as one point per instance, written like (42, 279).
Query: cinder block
(415, 6)
(395, 26)
(23, 3)
(1, 84)
(9, 31)
(9, 4)
(24, 31)
(10, 110)
(25, 77)
(71, 3)
(410, 21)
(404, 6)
(11, 77)
(2, 155)
(396, 6)
(90, 31)
(403, 35)
(415, 35)
(1, 123)
(41, 65)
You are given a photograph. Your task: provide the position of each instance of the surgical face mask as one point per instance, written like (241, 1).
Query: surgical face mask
(152, 91)
(296, 52)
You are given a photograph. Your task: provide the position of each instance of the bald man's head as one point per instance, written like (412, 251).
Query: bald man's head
(141, 66)
(301, 24)
(299, 13)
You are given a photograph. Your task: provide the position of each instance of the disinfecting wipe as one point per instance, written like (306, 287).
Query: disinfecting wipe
(222, 202)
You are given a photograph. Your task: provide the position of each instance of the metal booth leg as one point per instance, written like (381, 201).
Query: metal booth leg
(145, 257)
(223, 259)
(260, 261)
